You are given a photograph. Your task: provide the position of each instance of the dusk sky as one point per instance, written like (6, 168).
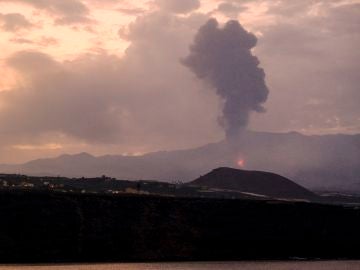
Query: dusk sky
(107, 76)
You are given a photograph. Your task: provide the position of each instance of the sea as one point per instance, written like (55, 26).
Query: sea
(293, 265)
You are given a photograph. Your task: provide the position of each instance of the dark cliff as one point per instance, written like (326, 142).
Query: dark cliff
(61, 227)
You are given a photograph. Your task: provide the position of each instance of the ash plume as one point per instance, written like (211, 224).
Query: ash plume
(223, 58)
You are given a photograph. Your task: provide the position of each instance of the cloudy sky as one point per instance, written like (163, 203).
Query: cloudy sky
(107, 76)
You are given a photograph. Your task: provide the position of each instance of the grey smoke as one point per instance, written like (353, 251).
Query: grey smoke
(223, 58)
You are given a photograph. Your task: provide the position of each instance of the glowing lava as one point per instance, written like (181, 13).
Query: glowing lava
(241, 163)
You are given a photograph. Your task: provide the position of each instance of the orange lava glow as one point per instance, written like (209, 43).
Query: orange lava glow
(241, 163)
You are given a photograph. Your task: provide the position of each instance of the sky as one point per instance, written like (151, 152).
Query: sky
(108, 76)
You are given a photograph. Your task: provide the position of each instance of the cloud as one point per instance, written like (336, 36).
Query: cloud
(223, 58)
(59, 98)
(309, 50)
(74, 19)
(63, 7)
(131, 11)
(231, 9)
(312, 54)
(43, 41)
(178, 6)
(47, 41)
(21, 40)
(29, 63)
(13, 22)
(144, 101)
(49, 146)
(68, 11)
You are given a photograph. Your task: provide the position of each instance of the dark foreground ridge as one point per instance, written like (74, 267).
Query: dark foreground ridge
(43, 226)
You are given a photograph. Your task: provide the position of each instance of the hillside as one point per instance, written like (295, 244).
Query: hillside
(262, 183)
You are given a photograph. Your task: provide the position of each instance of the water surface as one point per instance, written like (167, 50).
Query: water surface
(320, 265)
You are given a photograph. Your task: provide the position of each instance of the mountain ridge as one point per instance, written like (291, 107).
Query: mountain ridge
(318, 161)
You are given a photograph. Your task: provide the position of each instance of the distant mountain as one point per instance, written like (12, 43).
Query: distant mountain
(254, 182)
(330, 162)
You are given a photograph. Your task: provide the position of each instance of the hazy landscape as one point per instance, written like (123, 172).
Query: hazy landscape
(329, 162)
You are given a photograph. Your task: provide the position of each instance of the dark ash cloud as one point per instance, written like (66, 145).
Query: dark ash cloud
(223, 58)
(309, 51)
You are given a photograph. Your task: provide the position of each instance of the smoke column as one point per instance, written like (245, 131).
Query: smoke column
(222, 57)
